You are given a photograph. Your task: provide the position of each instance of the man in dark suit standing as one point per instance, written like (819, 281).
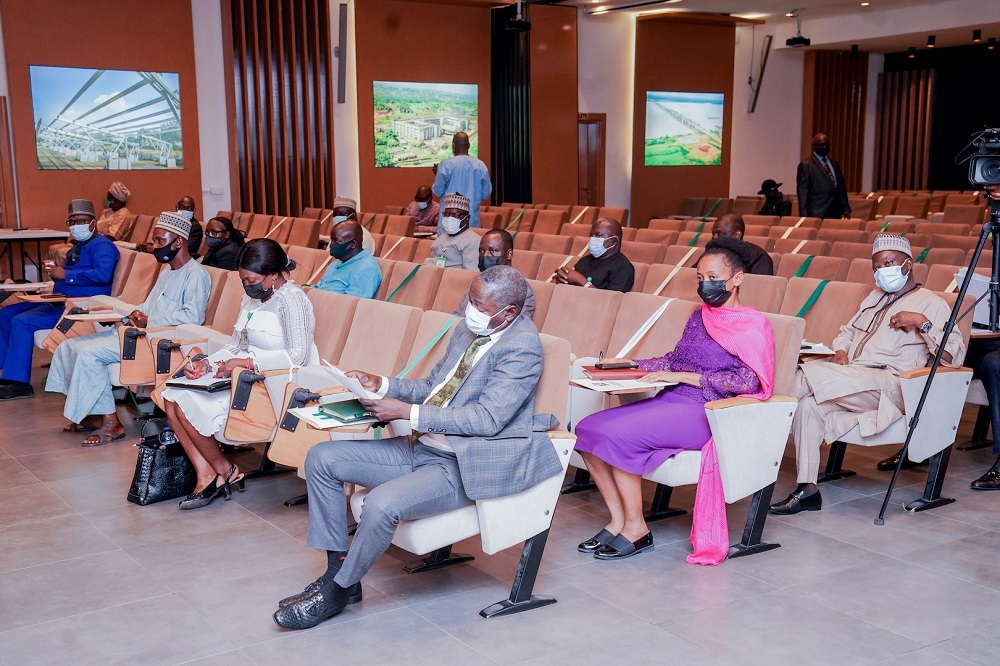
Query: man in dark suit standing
(820, 183)
(475, 436)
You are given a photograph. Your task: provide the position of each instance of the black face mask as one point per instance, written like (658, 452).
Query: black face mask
(822, 151)
(215, 243)
(487, 261)
(164, 254)
(714, 292)
(340, 250)
(257, 291)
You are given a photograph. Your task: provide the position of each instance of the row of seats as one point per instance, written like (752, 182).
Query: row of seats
(957, 220)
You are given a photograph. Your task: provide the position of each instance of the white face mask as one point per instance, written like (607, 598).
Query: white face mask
(80, 232)
(186, 214)
(452, 225)
(890, 279)
(337, 219)
(479, 322)
(422, 205)
(596, 246)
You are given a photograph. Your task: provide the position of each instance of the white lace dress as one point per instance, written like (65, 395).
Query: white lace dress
(277, 333)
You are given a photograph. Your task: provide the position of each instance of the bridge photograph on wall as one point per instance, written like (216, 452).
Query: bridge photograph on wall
(106, 119)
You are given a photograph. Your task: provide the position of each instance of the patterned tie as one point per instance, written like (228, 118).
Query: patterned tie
(443, 394)
(829, 171)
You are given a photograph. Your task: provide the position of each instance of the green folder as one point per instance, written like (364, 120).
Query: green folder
(348, 411)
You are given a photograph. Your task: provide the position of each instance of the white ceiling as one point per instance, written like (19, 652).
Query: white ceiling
(765, 8)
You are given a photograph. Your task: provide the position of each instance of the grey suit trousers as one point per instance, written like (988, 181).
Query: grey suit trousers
(405, 482)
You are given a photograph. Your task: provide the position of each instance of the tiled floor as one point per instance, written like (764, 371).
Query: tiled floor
(87, 578)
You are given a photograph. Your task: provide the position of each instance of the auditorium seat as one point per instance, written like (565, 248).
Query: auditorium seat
(936, 202)
(583, 215)
(453, 285)
(526, 262)
(579, 244)
(971, 214)
(842, 235)
(280, 226)
(851, 250)
(938, 255)
(835, 306)
(619, 214)
(551, 243)
(764, 220)
(392, 325)
(660, 224)
(420, 285)
(885, 204)
(549, 221)
(259, 226)
(315, 213)
(571, 229)
(521, 220)
(228, 308)
(764, 292)
(585, 317)
(647, 253)
(375, 223)
(963, 242)
(399, 249)
(949, 229)
(792, 246)
(755, 230)
(683, 281)
(716, 207)
(543, 297)
(764, 242)
(691, 207)
(628, 233)
(401, 225)
(691, 238)
(393, 210)
(744, 205)
(432, 325)
(141, 278)
(422, 249)
(490, 221)
(506, 214)
(661, 236)
(142, 229)
(897, 227)
(799, 222)
(963, 199)
(308, 261)
(698, 225)
(681, 254)
(522, 239)
(820, 267)
(914, 206)
(798, 233)
(550, 261)
(940, 276)
(303, 232)
(862, 208)
(334, 318)
(852, 224)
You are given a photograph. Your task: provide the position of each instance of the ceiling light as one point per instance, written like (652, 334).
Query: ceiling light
(790, 14)
(977, 36)
(991, 42)
(930, 41)
(913, 52)
(865, 4)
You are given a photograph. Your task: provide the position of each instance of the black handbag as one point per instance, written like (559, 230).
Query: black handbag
(161, 472)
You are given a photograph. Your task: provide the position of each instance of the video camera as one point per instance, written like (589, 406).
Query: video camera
(984, 166)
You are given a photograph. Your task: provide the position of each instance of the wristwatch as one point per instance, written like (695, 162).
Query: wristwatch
(926, 328)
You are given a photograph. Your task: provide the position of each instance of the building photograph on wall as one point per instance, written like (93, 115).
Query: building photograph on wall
(683, 129)
(415, 122)
(106, 119)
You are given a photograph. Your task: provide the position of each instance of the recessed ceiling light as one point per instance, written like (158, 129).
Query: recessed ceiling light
(991, 43)
(913, 52)
(865, 4)
(930, 41)
(977, 36)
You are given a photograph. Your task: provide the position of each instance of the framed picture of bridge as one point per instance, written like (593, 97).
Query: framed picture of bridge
(683, 129)
(106, 119)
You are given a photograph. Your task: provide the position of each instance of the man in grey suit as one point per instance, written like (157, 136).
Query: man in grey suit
(475, 436)
(820, 184)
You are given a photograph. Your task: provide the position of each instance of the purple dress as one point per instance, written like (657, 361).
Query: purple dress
(640, 436)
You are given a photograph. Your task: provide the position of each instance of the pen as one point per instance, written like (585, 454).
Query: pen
(600, 356)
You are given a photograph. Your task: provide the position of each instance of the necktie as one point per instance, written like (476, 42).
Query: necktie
(443, 394)
(829, 171)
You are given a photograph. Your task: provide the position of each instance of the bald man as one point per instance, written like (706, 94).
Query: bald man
(424, 209)
(605, 267)
(820, 183)
(356, 272)
(465, 175)
(732, 225)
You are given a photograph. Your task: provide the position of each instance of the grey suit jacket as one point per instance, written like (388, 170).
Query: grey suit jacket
(499, 441)
(818, 197)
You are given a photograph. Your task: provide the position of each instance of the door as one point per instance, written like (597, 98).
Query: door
(590, 135)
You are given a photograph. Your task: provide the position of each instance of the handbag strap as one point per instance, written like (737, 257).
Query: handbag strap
(158, 422)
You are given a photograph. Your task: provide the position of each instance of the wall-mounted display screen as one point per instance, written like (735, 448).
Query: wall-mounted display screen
(106, 119)
(415, 122)
(683, 129)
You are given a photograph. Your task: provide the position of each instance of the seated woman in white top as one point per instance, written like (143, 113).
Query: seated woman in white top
(275, 329)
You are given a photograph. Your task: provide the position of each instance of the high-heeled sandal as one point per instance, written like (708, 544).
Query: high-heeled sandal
(239, 479)
(206, 496)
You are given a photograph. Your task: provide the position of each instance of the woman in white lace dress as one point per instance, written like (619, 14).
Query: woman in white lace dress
(275, 329)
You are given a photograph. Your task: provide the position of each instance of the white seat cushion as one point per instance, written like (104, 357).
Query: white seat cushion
(40, 336)
(977, 393)
(427, 534)
(681, 470)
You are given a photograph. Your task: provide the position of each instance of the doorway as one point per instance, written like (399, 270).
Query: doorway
(591, 133)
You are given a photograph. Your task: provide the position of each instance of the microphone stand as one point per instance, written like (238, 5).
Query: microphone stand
(989, 228)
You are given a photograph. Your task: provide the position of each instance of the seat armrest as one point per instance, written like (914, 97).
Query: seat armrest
(740, 401)
(923, 372)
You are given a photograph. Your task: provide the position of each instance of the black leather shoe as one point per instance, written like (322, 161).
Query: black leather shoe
(798, 501)
(890, 463)
(990, 480)
(16, 391)
(206, 496)
(593, 544)
(353, 594)
(619, 547)
(312, 610)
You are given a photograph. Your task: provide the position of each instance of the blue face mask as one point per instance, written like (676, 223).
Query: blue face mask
(186, 214)
(80, 232)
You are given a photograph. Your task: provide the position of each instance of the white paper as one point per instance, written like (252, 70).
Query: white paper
(611, 385)
(204, 380)
(313, 417)
(351, 384)
(815, 348)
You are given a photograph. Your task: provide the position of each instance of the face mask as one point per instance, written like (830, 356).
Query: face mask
(107, 202)
(487, 261)
(822, 151)
(164, 254)
(257, 291)
(215, 243)
(422, 205)
(596, 246)
(479, 322)
(452, 225)
(714, 292)
(80, 232)
(340, 250)
(890, 279)
(186, 214)
(337, 219)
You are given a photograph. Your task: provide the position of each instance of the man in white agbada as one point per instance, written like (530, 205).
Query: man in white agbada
(898, 328)
(80, 365)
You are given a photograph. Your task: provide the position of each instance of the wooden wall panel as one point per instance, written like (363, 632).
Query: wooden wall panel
(903, 130)
(836, 85)
(155, 36)
(283, 98)
(666, 50)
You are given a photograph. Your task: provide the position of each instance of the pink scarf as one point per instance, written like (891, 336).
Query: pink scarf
(745, 333)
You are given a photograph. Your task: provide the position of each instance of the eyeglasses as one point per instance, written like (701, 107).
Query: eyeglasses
(216, 234)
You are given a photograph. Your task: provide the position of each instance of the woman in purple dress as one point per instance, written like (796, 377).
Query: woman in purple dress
(620, 445)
